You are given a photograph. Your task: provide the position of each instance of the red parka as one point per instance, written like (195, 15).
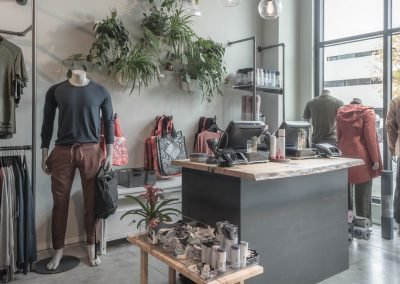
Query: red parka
(356, 135)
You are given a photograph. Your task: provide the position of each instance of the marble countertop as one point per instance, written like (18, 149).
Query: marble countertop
(275, 170)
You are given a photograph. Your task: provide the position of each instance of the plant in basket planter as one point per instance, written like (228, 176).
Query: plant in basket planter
(205, 63)
(154, 210)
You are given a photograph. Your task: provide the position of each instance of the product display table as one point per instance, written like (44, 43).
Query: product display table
(294, 214)
(175, 266)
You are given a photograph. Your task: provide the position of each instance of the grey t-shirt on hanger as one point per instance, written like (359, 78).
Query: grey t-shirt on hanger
(79, 114)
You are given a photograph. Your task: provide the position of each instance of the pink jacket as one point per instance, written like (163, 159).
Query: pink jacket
(356, 135)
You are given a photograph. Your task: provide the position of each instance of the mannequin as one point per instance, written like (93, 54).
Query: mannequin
(321, 111)
(357, 138)
(76, 147)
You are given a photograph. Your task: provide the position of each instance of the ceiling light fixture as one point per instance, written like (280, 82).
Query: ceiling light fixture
(192, 7)
(230, 3)
(270, 9)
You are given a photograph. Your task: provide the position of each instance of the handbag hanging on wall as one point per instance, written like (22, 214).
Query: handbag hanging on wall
(120, 148)
(164, 146)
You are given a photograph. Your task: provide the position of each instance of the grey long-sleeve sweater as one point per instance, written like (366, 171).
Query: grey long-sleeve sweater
(79, 114)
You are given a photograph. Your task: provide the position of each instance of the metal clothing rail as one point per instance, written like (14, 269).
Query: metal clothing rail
(253, 38)
(15, 148)
(33, 28)
(23, 33)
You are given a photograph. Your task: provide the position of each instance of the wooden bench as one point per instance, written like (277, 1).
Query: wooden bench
(176, 266)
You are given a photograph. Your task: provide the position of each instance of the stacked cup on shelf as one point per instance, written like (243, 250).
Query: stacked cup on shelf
(264, 77)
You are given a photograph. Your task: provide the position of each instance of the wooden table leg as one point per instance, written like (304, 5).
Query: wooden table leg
(171, 276)
(144, 267)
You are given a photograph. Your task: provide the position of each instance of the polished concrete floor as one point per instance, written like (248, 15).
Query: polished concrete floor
(375, 261)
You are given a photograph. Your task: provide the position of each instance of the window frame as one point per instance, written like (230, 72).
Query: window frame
(387, 33)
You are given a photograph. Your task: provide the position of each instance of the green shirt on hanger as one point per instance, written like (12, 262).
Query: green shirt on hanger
(13, 78)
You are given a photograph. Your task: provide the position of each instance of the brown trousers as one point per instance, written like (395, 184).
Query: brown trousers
(62, 164)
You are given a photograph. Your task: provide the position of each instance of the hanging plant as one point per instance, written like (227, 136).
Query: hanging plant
(138, 68)
(168, 40)
(205, 64)
(112, 43)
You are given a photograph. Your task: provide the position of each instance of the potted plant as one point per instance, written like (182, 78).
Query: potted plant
(153, 211)
(205, 63)
(138, 69)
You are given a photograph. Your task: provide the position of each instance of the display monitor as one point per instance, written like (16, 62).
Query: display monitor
(238, 132)
(291, 132)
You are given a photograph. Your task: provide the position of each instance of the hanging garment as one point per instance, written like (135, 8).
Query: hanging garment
(13, 78)
(201, 143)
(7, 223)
(357, 138)
(208, 129)
(20, 212)
(17, 218)
(30, 228)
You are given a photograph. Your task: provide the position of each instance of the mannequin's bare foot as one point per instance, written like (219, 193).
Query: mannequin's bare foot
(55, 261)
(93, 260)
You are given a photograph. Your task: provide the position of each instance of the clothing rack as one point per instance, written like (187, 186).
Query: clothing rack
(15, 148)
(33, 28)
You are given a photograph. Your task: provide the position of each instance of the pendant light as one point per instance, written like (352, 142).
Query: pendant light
(230, 3)
(192, 7)
(270, 9)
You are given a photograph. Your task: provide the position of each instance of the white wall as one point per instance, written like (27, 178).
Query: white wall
(64, 28)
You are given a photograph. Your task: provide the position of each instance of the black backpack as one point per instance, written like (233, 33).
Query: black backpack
(106, 193)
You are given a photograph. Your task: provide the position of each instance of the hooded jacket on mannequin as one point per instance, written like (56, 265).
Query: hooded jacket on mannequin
(357, 138)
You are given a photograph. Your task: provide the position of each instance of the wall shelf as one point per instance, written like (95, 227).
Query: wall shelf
(265, 89)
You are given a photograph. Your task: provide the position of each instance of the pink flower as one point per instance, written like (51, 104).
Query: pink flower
(152, 195)
(154, 222)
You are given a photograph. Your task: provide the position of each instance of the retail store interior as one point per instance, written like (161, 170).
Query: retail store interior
(200, 141)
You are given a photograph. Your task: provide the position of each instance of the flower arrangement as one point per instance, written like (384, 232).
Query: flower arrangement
(153, 208)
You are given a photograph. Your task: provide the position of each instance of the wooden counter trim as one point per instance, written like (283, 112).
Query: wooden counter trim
(235, 277)
(274, 170)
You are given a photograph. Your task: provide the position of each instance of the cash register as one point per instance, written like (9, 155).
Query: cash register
(232, 146)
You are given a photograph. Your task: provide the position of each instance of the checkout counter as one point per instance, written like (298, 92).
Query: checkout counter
(294, 214)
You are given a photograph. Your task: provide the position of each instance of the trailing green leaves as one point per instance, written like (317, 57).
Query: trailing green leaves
(138, 69)
(168, 40)
(205, 63)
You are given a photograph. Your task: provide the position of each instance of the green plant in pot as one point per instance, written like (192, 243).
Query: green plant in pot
(138, 69)
(112, 43)
(153, 210)
(172, 26)
(205, 63)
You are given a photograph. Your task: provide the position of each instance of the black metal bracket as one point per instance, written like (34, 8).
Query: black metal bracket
(253, 38)
(282, 45)
(23, 33)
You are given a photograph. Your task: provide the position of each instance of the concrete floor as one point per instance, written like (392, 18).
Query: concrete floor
(375, 261)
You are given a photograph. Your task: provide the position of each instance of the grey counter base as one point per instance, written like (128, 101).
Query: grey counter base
(298, 225)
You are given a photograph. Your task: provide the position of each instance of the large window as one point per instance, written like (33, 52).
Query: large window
(345, 18)
(396, 13)
(355, 40)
